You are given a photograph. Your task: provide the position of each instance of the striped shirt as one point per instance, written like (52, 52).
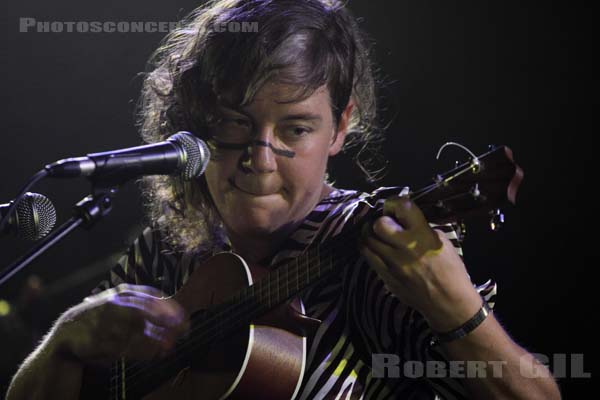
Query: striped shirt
(360, 317)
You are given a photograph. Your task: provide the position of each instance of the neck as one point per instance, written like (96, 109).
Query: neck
(260, 249)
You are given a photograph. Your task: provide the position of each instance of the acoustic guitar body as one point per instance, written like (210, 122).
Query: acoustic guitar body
(264, 360)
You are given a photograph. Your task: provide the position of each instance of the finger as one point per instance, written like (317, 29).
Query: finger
(389, 231)
(143, 289)
(394, 253)
(404, 211)
(419, 242)
(147, 343)
(381, 269)
(436, 246)
(160, 312)
(144, 339)
(137, 333)
(446, 250)
(176, 313)
(125, 289)
(120, 333)
(397, 263)
(159, 334)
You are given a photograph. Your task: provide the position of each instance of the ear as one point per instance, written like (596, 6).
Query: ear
(341, 130)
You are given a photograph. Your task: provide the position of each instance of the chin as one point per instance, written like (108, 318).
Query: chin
(257, 222)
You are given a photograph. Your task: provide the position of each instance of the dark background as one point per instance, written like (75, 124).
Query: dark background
(478, 72)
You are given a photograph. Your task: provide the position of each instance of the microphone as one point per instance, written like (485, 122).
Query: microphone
(34, 217)
(182, 153)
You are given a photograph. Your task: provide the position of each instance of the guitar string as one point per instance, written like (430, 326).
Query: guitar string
(142, 367)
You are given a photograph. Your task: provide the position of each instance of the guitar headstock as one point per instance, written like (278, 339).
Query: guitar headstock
(479, 186)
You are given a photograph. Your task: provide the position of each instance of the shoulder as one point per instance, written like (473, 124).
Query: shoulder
(149, 260)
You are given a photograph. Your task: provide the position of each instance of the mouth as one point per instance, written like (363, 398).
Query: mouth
(251, 193)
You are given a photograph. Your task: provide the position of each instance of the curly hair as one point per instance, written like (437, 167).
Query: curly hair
(199, 65)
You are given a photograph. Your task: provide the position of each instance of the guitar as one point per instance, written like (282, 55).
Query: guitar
(248, 327)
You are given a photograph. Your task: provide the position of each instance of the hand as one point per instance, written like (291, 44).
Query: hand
(419, 265)
(130, 320)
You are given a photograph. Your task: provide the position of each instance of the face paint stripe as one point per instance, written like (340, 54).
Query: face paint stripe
(280, 152)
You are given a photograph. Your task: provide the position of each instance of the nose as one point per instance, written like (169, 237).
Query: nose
(259, 157)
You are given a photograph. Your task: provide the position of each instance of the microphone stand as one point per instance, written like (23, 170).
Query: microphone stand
(87, 213)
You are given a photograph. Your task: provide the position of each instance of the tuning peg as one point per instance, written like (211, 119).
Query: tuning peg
(475, 191)
(497, 219)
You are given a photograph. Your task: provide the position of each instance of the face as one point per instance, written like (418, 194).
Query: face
(266, 185)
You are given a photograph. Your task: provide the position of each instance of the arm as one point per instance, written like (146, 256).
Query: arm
(506, 364)
(509, 371)
(422, 269)
(46, 374)
(130, 321)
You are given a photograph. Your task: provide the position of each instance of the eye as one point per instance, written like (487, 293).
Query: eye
(237, 121)
(299, 131)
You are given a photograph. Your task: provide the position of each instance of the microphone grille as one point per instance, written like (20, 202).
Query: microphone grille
(197, 153)
(35, 215)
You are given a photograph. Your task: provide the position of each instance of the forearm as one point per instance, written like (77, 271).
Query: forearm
(510, 371)
(45, 374)
(426, 273)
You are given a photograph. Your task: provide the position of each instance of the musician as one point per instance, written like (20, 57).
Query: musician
(274, 104)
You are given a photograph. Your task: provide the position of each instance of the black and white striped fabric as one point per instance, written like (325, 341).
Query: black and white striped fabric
(360, 317)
